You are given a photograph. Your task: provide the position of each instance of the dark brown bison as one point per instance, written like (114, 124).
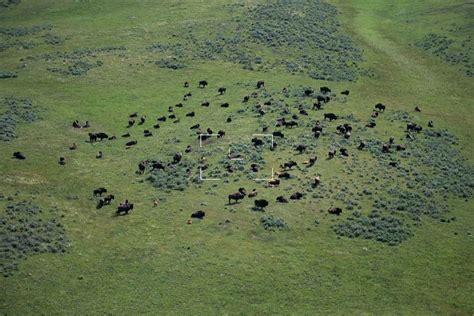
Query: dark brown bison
(330, 116)
(19, 155)
(288, 165)
(221, 90)
(335, 210)
(380, 107)
(281, 199)
(260, 84)
(202, 84)
(260, 204)
(237, 195)
(100, 191)
(124, 208)
(198, 214)
(296, 196)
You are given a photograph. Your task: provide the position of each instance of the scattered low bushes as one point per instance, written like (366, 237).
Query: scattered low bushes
(388, 229)
(25, 230)
(273, 223)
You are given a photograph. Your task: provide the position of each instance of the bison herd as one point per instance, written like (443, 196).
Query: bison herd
(324, 97)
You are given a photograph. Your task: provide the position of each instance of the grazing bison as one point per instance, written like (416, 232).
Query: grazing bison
(101, 136)
(393, 163)
(170, 109)
(202, 84)
(221, 90)
(62, 161)
(344, 152)
(254, 167)
(237, 195)
(198, 214)
(323, 98)
(254, 193)
(131, 122)
(131, 143)
(19, 155)
(220, 134)
(177, 157)
(301, 148)
(126, 135)
(303, 112)
(260, 204)
(412, 127)
(281, 199)
(288, 165)
(308, 92)
(195, 126)
(147, 133)
(324, 90)
(92, 137)
(317, 106)
(361, 146)
(380, 107)
(257, 142)
(172, 116)
(100, 191)
(105, 201)
(179, 105)
(430, 124)
(278, 134)
(290, 124)
(400, 147)
(331, 154)
(186, 84)
(205, 103)
(284, 175)
(190, 114)
(157, 165)
(99, 155)
(188, 149)
(296, 196)
(134, 114)
(345, 92)
(335, 210)
(225, 105)
(73, 146)
(156, 126)
(374, 114)
(417, 109)
(386, 148)
(142, 120)
(330, 116)
(162, 119)
(124, 208)
(246, 99)
(371, 124)
(316, 181)
(260, 84)
(274, 182)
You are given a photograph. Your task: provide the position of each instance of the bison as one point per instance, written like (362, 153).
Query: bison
(198, 214)
(260, 84)
(19, 155)
(237, 195)
(260, 204)
(202, 84)
(330, 116)
(221, 90)
(380, 107)
(335, 210)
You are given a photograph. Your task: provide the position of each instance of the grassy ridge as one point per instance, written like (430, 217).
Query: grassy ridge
(151, 261)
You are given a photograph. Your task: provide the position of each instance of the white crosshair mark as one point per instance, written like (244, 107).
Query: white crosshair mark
(237, 159)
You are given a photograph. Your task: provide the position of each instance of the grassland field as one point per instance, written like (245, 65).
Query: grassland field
(403, 243)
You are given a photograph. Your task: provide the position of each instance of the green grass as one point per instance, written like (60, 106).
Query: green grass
(151, 261)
